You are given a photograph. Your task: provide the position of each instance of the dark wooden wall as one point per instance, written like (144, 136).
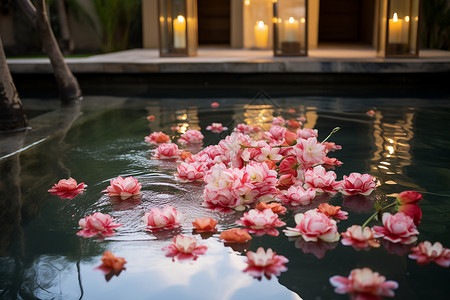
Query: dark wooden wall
(346, 21)
(213, 22)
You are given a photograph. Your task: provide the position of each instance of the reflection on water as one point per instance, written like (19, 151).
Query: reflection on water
(41, 256)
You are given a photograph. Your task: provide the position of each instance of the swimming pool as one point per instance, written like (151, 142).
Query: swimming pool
(404, 145)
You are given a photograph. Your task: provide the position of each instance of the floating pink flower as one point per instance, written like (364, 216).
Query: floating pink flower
(296, 195)
(364, 284)
(157, 138)
(215, 104)
(167, 151)
(190, 172)
(398, 228)
(330, 162)
(261, 221)
(235, 235)
(309, 152)
(67, 188)
(358, 184)
(97, 223)
(359, 238)
(409, 197)
(278, 121)
(124, 188)
(307, 133)
(265, 263)
(112, 262)
(332, 211)
(191, 137)
(216, 127)
(330, 146)
(185, 247)
(370, 113)
(151, 118)
(312, 226)
(412, 210)
(321, 180)
(156, 219)
(289, 165)
(247, 129)
(425, 253)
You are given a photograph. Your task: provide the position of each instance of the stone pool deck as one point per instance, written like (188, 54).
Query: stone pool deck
(216, 60)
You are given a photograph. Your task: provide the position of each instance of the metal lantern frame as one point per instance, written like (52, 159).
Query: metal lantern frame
(291, 44)
(178, 28)
(398, 35)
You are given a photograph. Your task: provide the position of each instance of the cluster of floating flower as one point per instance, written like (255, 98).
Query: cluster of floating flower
(287, 166)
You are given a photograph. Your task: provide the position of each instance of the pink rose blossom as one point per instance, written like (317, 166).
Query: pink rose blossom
(167, 151)
(332, 211)
(307, 133)
(309, 152)
(358, 184)
(330, 146)
(215, 104)
(191, 137)
(265, 263)
(263, 179)
(276, 132)
(370, 113)
(425, 253)
(331, 162)
(128, 187)
(321, 180)
(296, 195)
(409, 197)
(365, 284)
(67, 188)
(156, 219)
(190, 172)
(261, 221)
(278, 121)
(268, 153)
(157, 138)
(246, 129)
(398, 228)
(412, 210)
(97, 223)
(216, 127)
(289, 165)
(359, 238)
(185, 248)
(312, 226)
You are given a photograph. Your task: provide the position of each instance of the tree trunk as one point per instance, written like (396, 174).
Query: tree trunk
(66, 41)
(67, 83)
(12, 116)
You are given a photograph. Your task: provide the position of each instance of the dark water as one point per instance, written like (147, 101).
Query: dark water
(405, 146)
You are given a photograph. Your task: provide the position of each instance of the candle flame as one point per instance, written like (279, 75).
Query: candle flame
(395, 18)
(247, 2)
(302, 20)
(261, 24)
(407, 19)
(180, 19)
(291, 20)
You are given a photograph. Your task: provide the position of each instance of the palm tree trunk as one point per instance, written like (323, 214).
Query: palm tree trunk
(68, 86)
(12, 115)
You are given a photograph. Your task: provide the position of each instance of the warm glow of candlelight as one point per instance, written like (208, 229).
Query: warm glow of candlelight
(395, 17)
(179, 30)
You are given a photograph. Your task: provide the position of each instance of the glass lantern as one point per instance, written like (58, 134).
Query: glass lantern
(290, 27)
(257, 24)
(398, 28)
(178, 27)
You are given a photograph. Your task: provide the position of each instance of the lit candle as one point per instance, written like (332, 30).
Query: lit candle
(395, 30)
(291, 30)
(261, 34)
(179, 32)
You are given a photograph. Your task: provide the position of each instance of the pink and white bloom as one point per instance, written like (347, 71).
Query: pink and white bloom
(312, 226)
(246, 129)
(321, 180)
(263, 179)
(364, 284)
(261, 221)
(128, 187)
(191, 137)
(426, 252)
(358, 184)
(307, 133)
(278, 121)
(309, 152)
(276, 133)
(296, 195)
(157, 219)
(269, 153)
(67, 188)
(157, 138)
(167, 151)
(265, 263)
(332, 211)
(190, 172)
(330, 146)
(97, 223)
(398, 228)
(185, 247)
(359, 238)
(216, 127)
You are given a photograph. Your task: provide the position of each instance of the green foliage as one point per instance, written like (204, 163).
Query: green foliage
(117, 18)
(436, 15)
